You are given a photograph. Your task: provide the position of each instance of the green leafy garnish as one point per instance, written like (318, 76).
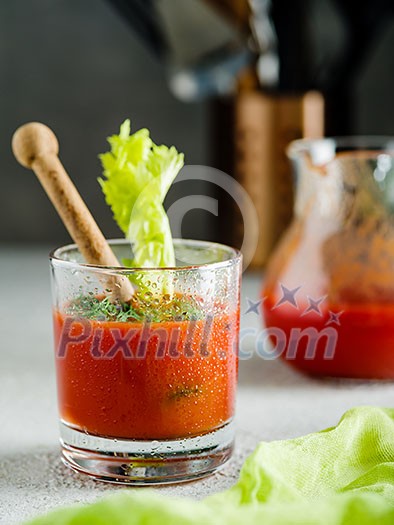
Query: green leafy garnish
(137, 177)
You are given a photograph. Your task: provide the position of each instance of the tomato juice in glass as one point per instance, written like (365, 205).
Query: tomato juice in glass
(147, 397)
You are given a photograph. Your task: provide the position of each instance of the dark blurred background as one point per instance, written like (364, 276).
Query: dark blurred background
(80, 68)
(77, 66)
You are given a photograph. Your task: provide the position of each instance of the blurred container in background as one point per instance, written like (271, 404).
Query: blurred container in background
(329, 287)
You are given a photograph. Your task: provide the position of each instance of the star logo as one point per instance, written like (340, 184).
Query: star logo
(254, 306)
(288, 296)
(334, 318)
(314, 305)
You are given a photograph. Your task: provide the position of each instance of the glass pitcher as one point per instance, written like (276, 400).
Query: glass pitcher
(328, 295)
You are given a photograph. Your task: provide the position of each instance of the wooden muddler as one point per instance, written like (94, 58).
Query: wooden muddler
(35, 146)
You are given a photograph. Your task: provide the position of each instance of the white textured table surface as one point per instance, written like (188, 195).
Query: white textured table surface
(273, 401)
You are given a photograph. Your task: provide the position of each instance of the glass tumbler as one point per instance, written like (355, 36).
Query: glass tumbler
(146, 390)
(329, 288)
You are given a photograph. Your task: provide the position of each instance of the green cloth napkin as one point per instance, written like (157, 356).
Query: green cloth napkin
(341, 476)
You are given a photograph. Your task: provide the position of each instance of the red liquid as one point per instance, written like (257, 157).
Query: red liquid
(150, 397)
(365, 339)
